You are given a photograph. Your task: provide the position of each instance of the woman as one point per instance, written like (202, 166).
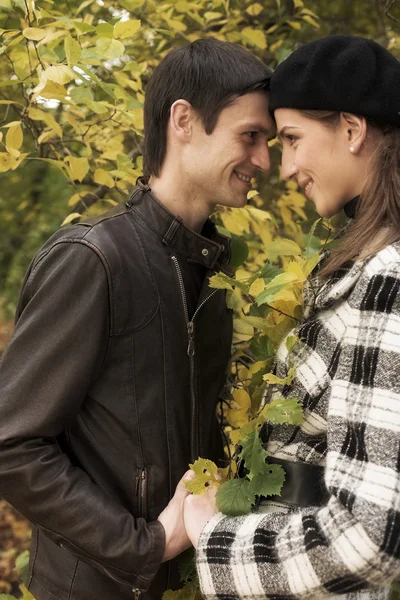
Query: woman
(336, 102)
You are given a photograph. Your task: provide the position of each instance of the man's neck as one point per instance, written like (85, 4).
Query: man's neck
(180, 202)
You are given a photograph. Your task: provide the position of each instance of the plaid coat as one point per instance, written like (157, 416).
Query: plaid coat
(348, 378)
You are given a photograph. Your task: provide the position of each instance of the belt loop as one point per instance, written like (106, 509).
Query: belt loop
(171, 230)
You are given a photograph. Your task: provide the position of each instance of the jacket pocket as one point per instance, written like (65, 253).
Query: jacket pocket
(141, 492)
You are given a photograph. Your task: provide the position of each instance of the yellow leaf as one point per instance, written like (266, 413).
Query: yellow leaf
(50, 90)
(177, 26)
(110, 49)
(103, 178)
(77, 167)
(75, 198)
(283, 247)
(242, 327)
(260, 215)
(236, 221)
(14, 139)
(257, 366)
(40, 115)
(46, 136)
(26, 595)
(311, 263)
(72, 50)
(8, 162)
(256, 322)
(59, 74)
(126, 29)
(310, 20)
(295, 268)
(33, 33)
(275, 46)
(70, 218)
(294, 24)
(212, 15)
(240, 406)
(254, 9)
(257, 287)
(255, 36)
(251, 194)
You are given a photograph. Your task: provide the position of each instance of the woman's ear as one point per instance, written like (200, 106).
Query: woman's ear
(355, 129)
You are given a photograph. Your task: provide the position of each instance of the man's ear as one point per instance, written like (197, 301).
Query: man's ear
(355, 129)
(181, 119)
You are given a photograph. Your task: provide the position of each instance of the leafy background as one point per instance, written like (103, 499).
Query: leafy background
(72, 82)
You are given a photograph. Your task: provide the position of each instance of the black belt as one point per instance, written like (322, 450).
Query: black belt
(304, 484)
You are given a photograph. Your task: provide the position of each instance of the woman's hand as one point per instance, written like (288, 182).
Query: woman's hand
(197, 511)
(171, 518)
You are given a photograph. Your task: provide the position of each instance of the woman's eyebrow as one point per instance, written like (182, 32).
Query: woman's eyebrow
(284, 130)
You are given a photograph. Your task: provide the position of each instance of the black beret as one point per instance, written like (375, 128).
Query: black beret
(341, 73)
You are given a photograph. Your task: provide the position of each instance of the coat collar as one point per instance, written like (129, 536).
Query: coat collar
(209, 248)
(319, 295)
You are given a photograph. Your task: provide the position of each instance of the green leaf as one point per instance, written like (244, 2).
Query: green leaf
(253, 454)
(276, 285)
(239, 251)
(83, 27)
(110, 48)
(268, 483)
(284, 410)
(72, 50)
(105, 30)
(282, 247)
(261, 347)
(187, 565)
(220, 281)
(81, 95)
(235, 497)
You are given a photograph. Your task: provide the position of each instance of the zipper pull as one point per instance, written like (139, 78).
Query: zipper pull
(136, 594)
(190, 348)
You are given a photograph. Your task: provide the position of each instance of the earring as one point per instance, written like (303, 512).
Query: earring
(351, 149)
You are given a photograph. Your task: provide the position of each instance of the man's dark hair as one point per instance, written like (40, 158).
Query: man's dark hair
(209, 74)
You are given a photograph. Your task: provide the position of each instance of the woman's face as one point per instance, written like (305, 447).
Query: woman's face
(319, 159)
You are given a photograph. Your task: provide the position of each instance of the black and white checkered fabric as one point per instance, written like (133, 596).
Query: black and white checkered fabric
(348, 378)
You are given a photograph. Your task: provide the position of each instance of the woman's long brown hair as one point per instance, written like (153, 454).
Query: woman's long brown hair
(377, 221)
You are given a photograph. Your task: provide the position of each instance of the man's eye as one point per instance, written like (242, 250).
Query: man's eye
(252, 134)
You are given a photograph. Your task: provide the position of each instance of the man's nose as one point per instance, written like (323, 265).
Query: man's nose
(260, 158)
(288, 166)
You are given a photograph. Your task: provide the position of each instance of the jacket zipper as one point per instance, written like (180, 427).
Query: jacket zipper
(141, 492)
(191, 352)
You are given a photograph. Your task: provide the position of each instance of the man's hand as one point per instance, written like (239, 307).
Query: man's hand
(171, 518)
(197, 511)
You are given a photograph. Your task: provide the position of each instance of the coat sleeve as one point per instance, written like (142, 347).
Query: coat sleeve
(56, 352)
(353, 542)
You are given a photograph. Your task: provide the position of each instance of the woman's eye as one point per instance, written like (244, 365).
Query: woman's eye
(290, 138)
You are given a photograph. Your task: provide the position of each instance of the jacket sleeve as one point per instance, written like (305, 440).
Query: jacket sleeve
(56, 352)
(353, 542)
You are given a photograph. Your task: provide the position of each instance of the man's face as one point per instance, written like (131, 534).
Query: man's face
(218, 168)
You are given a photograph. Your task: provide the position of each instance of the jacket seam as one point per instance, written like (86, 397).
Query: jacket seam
(105, 265)
(41, 584)
(34, 557)
(92, 558)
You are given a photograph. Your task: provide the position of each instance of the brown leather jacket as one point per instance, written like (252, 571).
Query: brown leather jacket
(108, 390)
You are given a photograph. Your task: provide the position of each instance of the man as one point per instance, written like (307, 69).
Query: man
(110, 383)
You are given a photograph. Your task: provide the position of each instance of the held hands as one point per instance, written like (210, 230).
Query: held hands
(185, 516)
(171, 518)
(197, 511)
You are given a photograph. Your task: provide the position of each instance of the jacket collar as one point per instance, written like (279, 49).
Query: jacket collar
(209, 248)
